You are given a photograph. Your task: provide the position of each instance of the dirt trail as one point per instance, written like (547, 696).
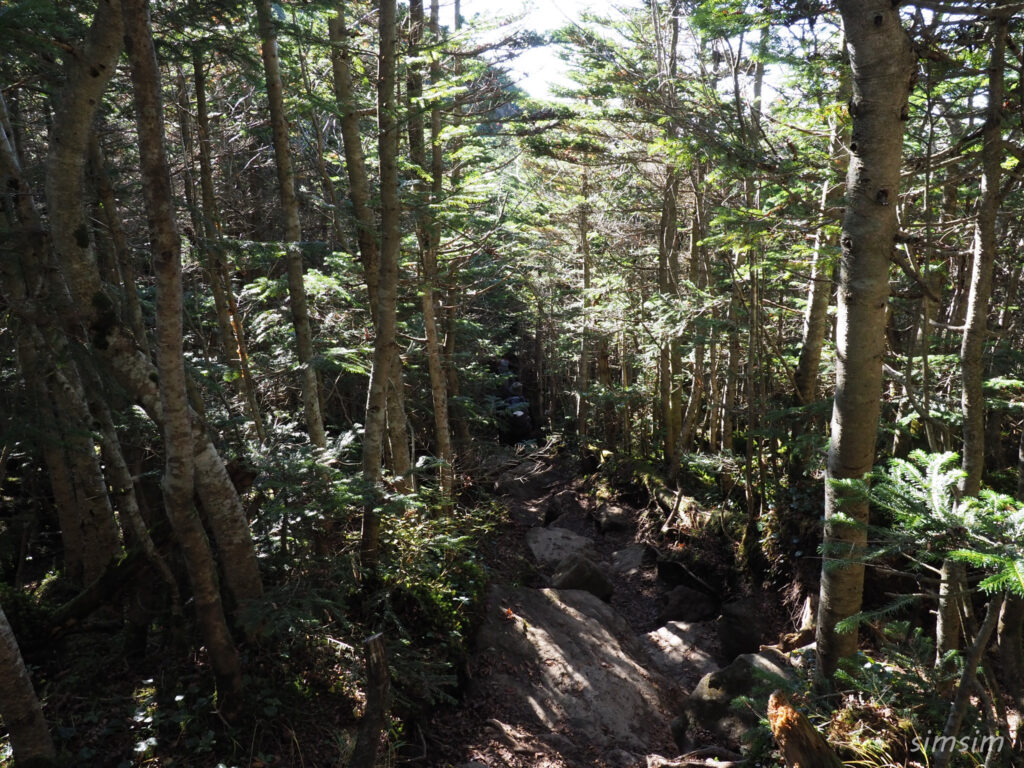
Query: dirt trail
(560, 676)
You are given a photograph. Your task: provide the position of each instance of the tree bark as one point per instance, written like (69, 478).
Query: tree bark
(819, 294)
(177, 428)
(583, 395)
(374, 720)
(976, 329)
(428, 235)
(292, 226)
(368, 237)
(125, 262)
(90, 306)
(23, 286)
(799, 742)
(355, 158)
(20, 708)
(954, 574)
(882, 61)
(384, 346)
(228, 317)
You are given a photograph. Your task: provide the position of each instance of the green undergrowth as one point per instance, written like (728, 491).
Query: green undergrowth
(302, 654)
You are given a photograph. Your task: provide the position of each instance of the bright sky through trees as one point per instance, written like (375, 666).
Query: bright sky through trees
(538, 69)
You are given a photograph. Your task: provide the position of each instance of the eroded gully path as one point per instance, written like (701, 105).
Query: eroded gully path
(575, 663)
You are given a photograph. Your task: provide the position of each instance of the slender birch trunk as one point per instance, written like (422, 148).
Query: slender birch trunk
(125, 260)
(177, 428)
(582, 395)
(819, 294)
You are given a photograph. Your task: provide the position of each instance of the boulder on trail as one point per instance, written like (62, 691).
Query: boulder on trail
(550, 546)
(568, 663)
(632, 559)
(742, 626)
(611, 518)
(682, 567)
(527, 480)
(708, 708)
(679, 650)
(580, 572)
(685, 604)
(560, 504)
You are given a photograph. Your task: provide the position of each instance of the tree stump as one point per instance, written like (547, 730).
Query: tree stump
(801, 745)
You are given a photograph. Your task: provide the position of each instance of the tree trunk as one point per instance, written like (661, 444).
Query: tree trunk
(228, 317)
(976, 329)
(384, 346)
(882, 61)
(94, 309)
(125, 261)
(688, 426)
(954, 574)
(819, 294)
(177, 428)
(582, 395)
(799, 742)
(669, 360)
(367, 238)
(20, 708)
(292, 226)
(428, 234)
(355, 158)
(374, 720)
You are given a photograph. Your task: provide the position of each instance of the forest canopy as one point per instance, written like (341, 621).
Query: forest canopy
(286, 287)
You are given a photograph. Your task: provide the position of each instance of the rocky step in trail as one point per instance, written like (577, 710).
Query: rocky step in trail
(596, 650)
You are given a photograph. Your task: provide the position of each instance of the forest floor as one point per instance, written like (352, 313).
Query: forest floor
(558, 677)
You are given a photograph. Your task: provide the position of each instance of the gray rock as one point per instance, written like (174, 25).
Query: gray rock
(620, 758)
(574, 667)
(563, 503)
(681, 567)
(612, 518)
(567, 521)
(550, 546)
(580, 572)
(679, 651)
(632, 559)
(526, 481)
(558, 743)
(708, 707)
(685, 604)
(742, 626)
